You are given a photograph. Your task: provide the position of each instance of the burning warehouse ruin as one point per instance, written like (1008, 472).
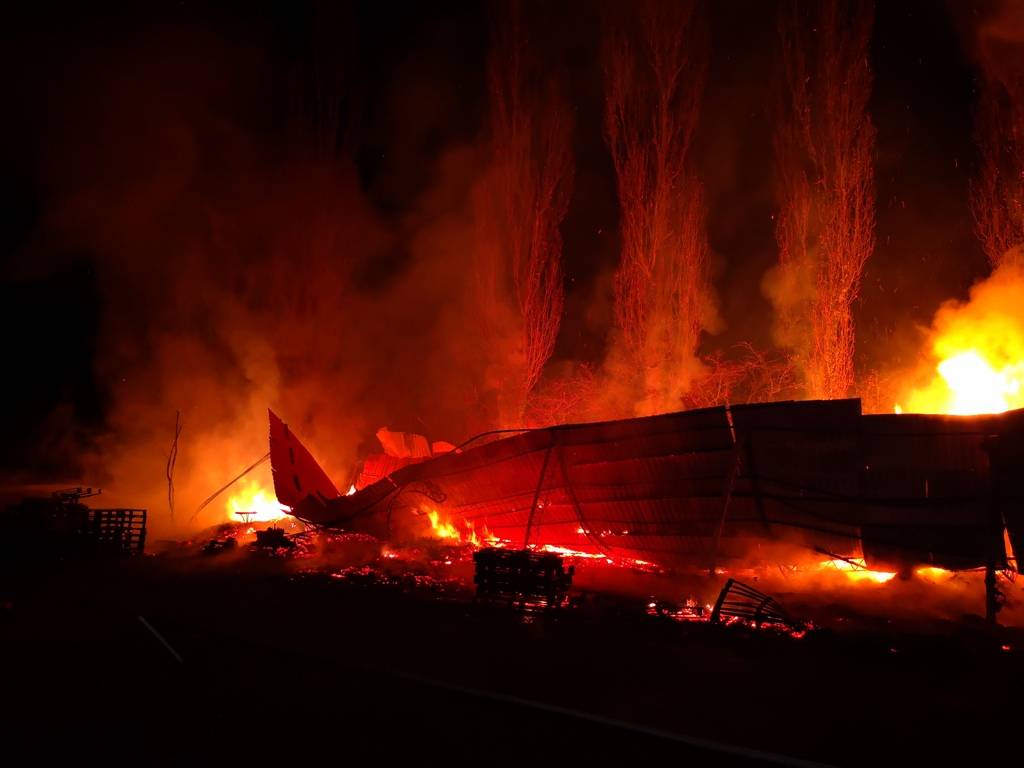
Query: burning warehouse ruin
(708, 487)
(697, 331)
(703, 489)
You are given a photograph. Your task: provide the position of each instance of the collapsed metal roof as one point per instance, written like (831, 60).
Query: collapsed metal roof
(708, 486)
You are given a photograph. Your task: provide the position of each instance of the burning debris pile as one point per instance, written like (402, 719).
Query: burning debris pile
(740, 603)
(816, 491)
(737, 605)
(865, 497)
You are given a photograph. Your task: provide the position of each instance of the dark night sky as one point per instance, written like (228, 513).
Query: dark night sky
(416, 75)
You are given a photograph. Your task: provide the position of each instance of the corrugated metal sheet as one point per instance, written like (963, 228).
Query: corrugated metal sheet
(927, 489)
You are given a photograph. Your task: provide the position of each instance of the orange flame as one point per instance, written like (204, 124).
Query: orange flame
(856, 569)
(254, 504)
(967, 383)
(442, 529)
(445, 529)
(977, 351)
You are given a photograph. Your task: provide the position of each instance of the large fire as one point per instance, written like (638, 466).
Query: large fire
(255, 504)
(977, 351)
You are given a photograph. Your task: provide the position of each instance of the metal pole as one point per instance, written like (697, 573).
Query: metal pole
(995, 532)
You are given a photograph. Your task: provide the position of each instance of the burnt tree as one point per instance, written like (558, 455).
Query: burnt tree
(520, 207)
(824, 151)
(654, 59)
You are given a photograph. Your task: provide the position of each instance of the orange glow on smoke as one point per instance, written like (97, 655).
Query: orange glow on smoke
(255, 504)
(977, 352)
(934, 574)
(855, 569)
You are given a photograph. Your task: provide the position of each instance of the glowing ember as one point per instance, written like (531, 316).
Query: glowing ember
(856, 569)
(254, 504)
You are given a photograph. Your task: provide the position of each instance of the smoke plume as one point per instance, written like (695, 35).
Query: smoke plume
(242, 265)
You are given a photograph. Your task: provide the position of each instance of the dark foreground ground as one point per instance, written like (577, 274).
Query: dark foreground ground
(167, 662)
